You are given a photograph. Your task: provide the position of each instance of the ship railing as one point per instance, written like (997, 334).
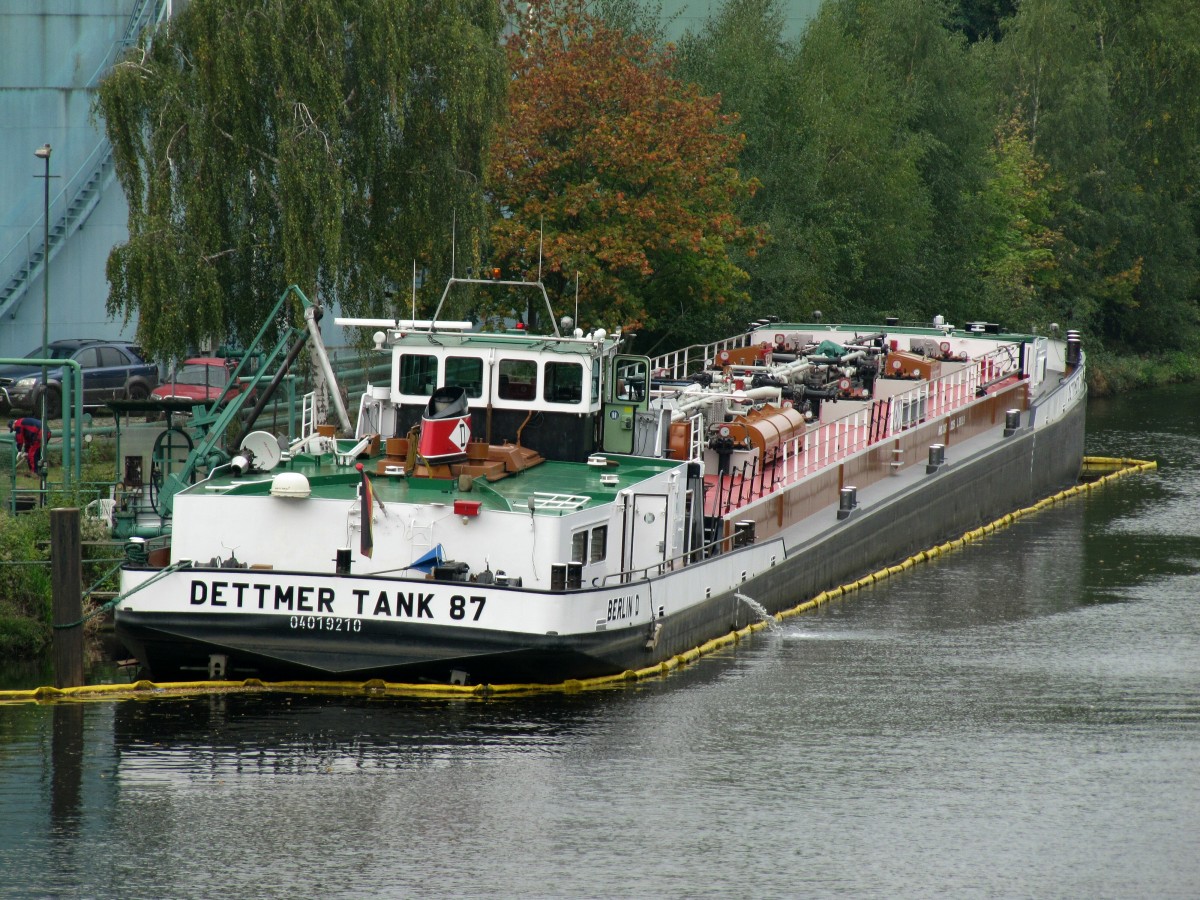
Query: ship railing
(696, 443)
(1054, 405)
(830, 442)
(954, 389)
(681, 560)
(679, 364)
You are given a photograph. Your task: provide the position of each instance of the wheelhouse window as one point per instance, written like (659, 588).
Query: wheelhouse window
(418, 374)
(465, 372)
(517, 379)
(596, 366)
(631, 380)
(562, 382)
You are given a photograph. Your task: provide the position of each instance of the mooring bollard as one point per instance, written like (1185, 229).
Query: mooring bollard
(66, 576)
(847, 502)
(937, 458)
(1012, 421)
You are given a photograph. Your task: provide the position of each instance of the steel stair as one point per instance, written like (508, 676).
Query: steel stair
(84, 189)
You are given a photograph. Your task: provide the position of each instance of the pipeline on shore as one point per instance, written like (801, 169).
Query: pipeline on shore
(1097, 471)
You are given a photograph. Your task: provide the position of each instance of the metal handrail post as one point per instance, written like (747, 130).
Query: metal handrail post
(70, 391)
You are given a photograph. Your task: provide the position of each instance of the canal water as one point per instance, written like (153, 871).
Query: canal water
(1020, 718)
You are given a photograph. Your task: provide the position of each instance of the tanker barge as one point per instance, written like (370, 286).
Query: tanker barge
(517, 507)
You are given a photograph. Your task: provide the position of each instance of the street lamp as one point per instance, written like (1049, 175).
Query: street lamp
(43, 153)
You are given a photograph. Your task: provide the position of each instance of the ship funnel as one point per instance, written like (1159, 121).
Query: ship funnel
(445, 426)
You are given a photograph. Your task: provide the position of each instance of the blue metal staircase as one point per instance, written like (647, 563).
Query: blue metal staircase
(84, 189)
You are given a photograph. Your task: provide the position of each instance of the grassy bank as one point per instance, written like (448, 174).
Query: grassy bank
(1110, 374)
(25, 587)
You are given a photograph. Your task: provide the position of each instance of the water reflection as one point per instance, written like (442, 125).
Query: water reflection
(66, 756)
(298, 734)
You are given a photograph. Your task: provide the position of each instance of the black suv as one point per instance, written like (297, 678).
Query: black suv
(112, 370)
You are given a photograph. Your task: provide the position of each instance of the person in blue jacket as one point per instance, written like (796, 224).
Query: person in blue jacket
(30, 435)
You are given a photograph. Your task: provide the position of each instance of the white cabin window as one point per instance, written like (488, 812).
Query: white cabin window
(465, 372)
(631, 380)
(562, 382)
(597, 538)
(579, 546)
(518, 379)
(418, 374)
(599, 543)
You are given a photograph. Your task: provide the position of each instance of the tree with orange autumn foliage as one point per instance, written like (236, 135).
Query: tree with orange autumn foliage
(623, 174)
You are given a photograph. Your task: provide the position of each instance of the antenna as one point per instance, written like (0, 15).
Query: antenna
(577, 297)
(541, 235)
(414, 291)
(453, 239)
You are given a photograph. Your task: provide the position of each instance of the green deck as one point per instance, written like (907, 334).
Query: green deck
(557, 487)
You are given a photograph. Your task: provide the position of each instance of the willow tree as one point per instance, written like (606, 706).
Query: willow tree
(328, 144)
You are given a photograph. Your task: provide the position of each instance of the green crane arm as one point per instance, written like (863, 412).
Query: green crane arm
(212, 422)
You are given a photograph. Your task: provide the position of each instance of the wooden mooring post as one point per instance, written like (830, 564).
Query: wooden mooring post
(66, 577)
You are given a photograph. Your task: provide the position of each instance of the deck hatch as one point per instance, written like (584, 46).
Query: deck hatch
(561, 502)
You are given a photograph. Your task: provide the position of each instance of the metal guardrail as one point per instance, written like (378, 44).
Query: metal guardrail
(679, 364)
(678, 561)
(835, 440)
(1062, 398)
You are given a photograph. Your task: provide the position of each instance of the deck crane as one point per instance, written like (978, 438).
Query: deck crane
(210, 422)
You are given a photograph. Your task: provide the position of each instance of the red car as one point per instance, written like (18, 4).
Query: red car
(201, 379)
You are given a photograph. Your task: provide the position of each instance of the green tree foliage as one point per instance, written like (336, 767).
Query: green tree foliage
(641, 17)
(935, 131)
(1108, 92)
(870, 140)
(1022, 162)
(1025, 163)
(618, 172)
(1016, 252)
(980, 19)
(265, 142)
(742, 55)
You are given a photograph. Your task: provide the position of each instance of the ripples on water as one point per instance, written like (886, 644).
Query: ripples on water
(1016, 719)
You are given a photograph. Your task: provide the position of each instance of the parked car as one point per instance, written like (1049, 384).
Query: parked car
(112, 370)
(201, 379)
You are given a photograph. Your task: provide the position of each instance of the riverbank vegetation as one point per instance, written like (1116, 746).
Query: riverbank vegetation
(25, 578)
(1031, 163)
